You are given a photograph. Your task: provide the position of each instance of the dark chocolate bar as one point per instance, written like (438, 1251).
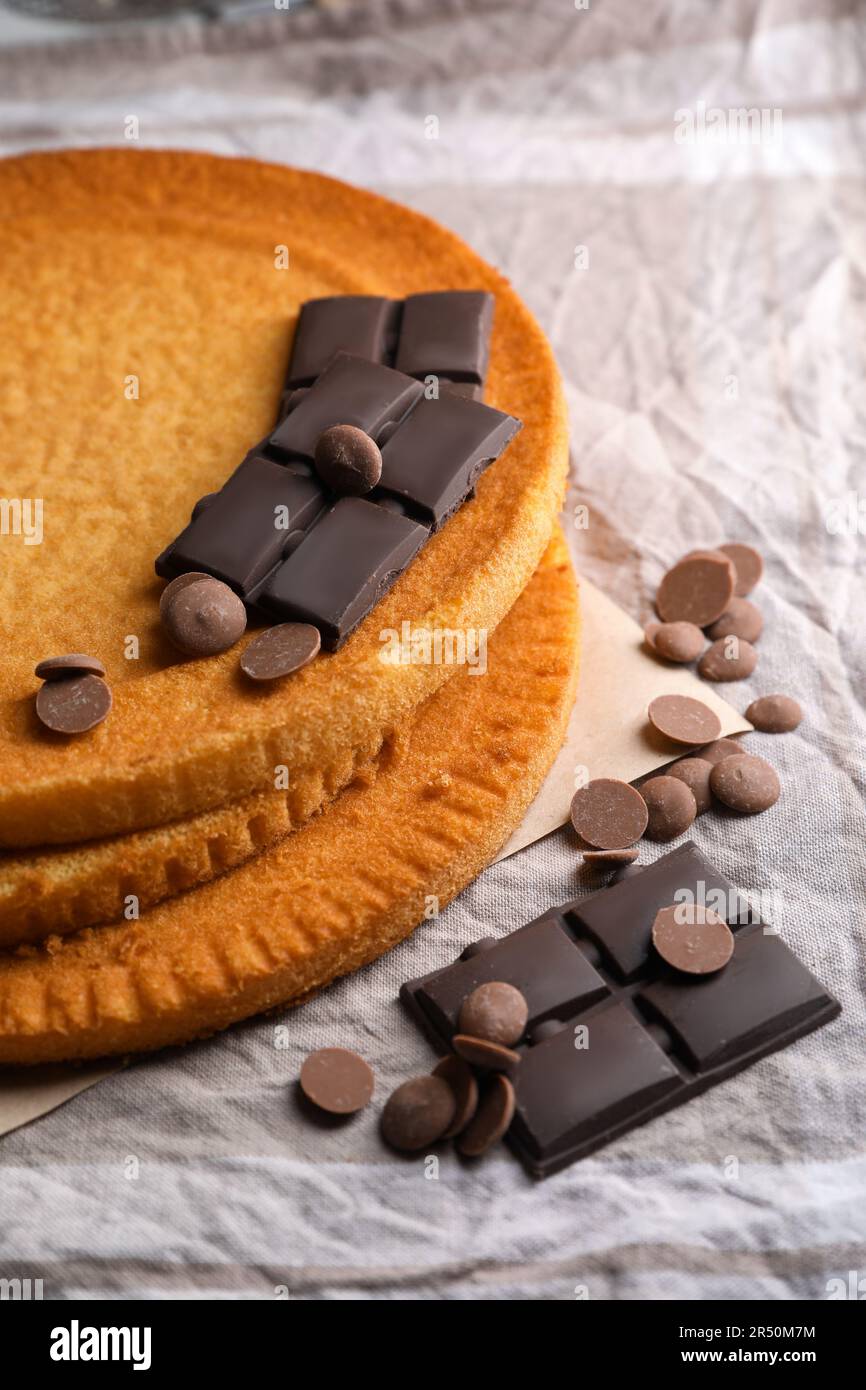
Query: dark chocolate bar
(446, 334)
(616, 1036)
(351, 391)
(364, 325)
(343, 568)
(433, 461)
(241, 532)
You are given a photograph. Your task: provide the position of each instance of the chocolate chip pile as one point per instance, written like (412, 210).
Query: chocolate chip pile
(452, 1102)
(703, 597)
(75, 696)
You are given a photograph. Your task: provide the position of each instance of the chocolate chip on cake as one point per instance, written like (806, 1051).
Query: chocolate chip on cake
(347, 460)
(728, 659)
(460, 1078)
(695, 773)
(171, 590)
(692, 938)
(748, 566)
(418, 1113)
(681, 642)
(608, 814)
(496, 1012)
(58, 668)
(741, 618)
(337, 1080)
(774, 714)
(683, 719)
(280, 651)
(697, 590)
(203, 617)
(745, 784)
(74, 705)
(492, 1118)
(671, 807)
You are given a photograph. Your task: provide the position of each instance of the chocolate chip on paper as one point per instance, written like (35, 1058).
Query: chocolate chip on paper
(746, 784)
(692, 939)
(680, 642)
(337, 1080)
(74, 705)
(608, 813)
(684, 719)
(280, 651)
(774, 714)
(697, 590)
(671, 807)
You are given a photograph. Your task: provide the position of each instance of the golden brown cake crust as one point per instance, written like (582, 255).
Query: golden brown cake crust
(336, 893)
(159, 266)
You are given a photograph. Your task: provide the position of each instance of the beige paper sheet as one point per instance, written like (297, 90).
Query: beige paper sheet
(607, 735)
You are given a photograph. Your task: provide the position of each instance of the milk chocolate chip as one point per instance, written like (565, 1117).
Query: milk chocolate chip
(496, 1012)
(683, 719)
(774, 714)
(692, 938)
(748, 565)
(671, 807)
(58, 668)
(280, 651)
(204, 617)
(347, 460)
(74, 705)
(460, 1078)
(728, 659)
(608, 814)
(337, 1080)
(721, 748)
(492, 1056)
(682, 642)
(745, 784)
(695, 773)
(741, 618)
(492, 1119)
(418, 1113)
(600, 857)
(697, 590)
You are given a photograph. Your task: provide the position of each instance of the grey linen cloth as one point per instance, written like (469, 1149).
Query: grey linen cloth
(704, 295)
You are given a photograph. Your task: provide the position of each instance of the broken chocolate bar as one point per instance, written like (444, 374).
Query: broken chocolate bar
(617, 1036)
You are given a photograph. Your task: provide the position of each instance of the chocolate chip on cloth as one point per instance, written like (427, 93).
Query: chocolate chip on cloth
(774, 714)
(460, 1078)
(418, 1113)
(347, 460)
(74, 705)
(670, 805)
(748, 565)
(683, 719)
(58, 668)
(204, 617)
(745, 784)
(598, 858)
(728, 659)
(741, 618)
(280, 651)
(692, 938)
(697, 590)
(337, 1080)
(695, 773)
(681, 642)
(495, 1012)
(608, 814)
(491, 1120)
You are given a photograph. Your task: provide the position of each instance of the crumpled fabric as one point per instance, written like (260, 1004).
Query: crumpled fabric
(705, 299)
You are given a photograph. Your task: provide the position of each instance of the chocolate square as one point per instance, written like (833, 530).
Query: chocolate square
(446, 334)
(351, 391)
